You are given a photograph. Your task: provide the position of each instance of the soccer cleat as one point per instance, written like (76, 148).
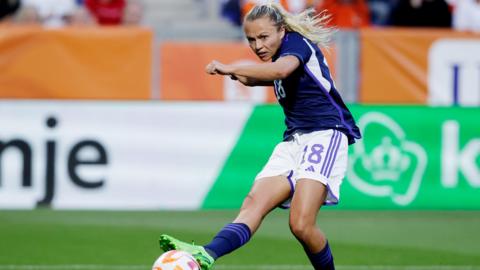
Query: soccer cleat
(198, 252)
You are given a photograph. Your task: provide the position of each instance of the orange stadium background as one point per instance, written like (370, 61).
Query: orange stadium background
(117, 63)
(79, 63)
(394, 63)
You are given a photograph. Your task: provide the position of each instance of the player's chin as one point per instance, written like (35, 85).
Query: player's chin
(264, 58)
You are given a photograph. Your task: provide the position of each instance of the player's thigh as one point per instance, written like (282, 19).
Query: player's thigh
(267, 193)
(325, 161)
(309, 196)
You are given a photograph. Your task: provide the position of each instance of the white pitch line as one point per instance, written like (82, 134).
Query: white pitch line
(239, 267)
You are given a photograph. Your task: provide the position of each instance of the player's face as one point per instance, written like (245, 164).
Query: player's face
(264, 37)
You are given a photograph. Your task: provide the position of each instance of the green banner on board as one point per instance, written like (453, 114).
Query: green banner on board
(410, 157)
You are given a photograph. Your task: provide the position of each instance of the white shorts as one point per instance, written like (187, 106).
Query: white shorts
(320, 155)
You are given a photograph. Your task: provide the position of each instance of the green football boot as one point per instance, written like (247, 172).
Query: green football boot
(198, 252)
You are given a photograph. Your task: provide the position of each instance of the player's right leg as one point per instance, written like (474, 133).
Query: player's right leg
(265, 195)
(198, 252)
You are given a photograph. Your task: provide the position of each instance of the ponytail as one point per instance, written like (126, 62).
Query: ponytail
(307, 23)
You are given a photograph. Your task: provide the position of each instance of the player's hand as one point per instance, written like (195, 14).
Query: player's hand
(210, 68)
(216, 67)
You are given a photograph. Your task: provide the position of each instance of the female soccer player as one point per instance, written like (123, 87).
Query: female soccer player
(306, 169)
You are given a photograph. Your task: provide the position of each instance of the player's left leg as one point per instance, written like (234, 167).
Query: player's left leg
(307, 200)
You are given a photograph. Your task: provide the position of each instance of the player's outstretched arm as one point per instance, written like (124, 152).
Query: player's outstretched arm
(263, 72)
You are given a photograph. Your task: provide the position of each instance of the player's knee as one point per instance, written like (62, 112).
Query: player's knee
(300, 228)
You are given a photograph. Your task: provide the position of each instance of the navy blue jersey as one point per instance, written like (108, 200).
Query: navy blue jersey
(308, 96)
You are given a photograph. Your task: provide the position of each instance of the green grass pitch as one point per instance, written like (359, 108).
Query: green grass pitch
(104, 240)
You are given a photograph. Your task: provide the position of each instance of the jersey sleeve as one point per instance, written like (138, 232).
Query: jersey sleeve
(294, 44)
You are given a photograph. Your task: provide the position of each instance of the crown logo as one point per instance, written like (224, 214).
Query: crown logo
(386, 161)
(388, 164)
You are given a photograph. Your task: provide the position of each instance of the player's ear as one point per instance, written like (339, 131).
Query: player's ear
(282, 31)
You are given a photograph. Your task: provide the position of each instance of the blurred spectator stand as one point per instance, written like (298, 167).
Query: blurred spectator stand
(49, 13)
(107, 12)
(380, 11)
(421, 13)
(346, 13)
(8, 8)
(466, 15)
(133, 13)
(293, 6)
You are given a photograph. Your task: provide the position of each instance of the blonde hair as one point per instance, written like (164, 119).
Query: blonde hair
(307, 23)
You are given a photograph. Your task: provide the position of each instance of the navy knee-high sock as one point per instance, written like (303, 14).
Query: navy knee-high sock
(322, 260)
(230, 237)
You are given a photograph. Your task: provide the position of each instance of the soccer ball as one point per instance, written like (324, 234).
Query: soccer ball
(175, 260)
